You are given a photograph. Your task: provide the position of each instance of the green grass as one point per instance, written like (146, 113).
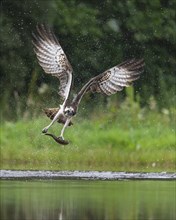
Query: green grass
(120, 140)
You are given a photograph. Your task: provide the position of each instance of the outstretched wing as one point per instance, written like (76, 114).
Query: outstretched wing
(52, 58)
(118, 77)
(113, 79)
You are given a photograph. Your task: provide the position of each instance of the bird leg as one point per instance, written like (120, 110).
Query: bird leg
(65, 125)
(60, 112)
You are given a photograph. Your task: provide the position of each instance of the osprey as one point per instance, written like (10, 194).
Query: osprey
(53, 60)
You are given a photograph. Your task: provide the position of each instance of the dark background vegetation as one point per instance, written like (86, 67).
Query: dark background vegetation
(95, 36)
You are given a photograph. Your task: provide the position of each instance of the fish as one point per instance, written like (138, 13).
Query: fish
(59, 140)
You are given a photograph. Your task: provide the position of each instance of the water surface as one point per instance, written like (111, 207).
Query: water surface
(89, 200)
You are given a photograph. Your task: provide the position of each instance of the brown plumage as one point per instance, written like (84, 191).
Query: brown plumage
(113, 79)
(51, 112)
(52, 58)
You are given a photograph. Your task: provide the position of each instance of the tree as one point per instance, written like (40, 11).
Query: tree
(95, 36)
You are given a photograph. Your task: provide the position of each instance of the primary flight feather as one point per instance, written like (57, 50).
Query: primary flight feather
(52, 58)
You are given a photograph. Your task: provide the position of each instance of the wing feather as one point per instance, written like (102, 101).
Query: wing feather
(113, 79)
(52, 58)
(118, 77)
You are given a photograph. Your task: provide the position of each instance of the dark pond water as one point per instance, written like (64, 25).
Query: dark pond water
(87, 200)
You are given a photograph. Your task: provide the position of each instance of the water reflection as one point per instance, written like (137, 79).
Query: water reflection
(87, 200)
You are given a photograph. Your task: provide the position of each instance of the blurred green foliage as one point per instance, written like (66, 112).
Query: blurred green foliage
(125, 137)
(95, 35)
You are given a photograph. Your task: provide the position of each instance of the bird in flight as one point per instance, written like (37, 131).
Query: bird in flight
(53, 60)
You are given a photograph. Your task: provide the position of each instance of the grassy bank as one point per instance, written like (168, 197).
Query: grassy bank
(121, 140)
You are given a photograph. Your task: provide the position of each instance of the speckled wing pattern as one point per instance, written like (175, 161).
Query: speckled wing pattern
(117, 77)
(52, 58)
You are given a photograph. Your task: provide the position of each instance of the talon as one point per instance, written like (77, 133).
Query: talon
(61, 138)
(45, 130)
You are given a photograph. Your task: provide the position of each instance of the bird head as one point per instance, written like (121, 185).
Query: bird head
(69, 111)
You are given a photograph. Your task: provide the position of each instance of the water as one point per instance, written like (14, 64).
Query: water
(90, 175)
(87, 200)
